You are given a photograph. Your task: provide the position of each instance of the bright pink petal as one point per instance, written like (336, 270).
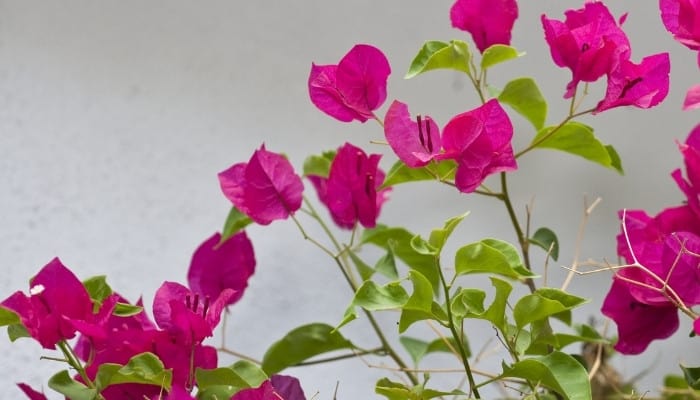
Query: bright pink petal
(216, 267)
(350, 191)
(324, 94)
(414, 144)
(638, 324)
(488, 21)
(480, 141)
(692, 98)
(354, 88)
(589, 42)
(31, 393)
(265, 189)
(696, 326)
(642, 86)
(362, 78)
(682, 19)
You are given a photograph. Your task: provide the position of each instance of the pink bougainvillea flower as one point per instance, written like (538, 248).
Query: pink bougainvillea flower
(480, 141)
(638, 324)
(278, 387)
(691, 157)
(692, 98)
(57, 299)
(31, 393)
(682, 19)
(696, 326)
(642, 85)
(185, 315)
(589, 42)
(488, 21)
(350, 191)
(415, 142)
(265, 188)
(216, 267)
(354, 88)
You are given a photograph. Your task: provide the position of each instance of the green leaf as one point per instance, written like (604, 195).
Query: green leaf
(252, 374)
(16, 331)
(145, 368)
(422, 246)
(490, 256)
(692, 376)
(399, 239)
(74, 390)
(387, 264)
(401, 173)
(97, 288)
(546, 239)
(235, 222)
(438, 237)
(543, 303)
(496, 313)
(577, 138)
(497, 54)
(302, 343)
(557, 371)
(523, 95)
(319, 165)
(217, 392)
(365, 270)
(394, 390)
(419, 305)
(8, 317)
(373, 297)
(418, 349)
(468, 302)
(126, 310)
(440, 55)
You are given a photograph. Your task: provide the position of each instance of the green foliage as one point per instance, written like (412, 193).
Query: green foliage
(440, 55)
(97, 288)
(543, 303)
(222, 383)
(319, 165)
(437, 170)
(523, 95)
(491, 256)
(302, 343)
(577, 138)
(546, 239)
(235, 222)
(420, 305)
(557, 371)
(399, 239)
(126, 310)
(418, 349)
(16, 331)
(692, 376)
(438, 237)
(497, 54)
(64, 384)
(145, 368)
(8, 317)
(398, 391)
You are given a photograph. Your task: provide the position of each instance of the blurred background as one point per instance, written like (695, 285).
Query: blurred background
(116, 116)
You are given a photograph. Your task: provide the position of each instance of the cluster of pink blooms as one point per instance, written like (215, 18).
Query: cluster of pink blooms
(663, 251)
(58, 307)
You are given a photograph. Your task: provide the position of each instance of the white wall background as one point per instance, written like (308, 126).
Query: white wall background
(115, 117)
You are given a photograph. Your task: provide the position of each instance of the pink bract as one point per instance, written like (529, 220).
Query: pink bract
(30, 392)
(692, 98)
(638, 324)
(350, 191)
(480, 141)
(218, 266)
(682, 19)
(589, 42)
(278, 387)
(56, 301)
(642, 85)
(414, 142)
(352, 89)
(488, 21)
(265, 188)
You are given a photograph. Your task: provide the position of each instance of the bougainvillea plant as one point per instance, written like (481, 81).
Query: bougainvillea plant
(113, 349)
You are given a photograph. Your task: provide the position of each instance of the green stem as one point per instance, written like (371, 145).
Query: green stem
(75, 363)
(458, 338)
(522, 239)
